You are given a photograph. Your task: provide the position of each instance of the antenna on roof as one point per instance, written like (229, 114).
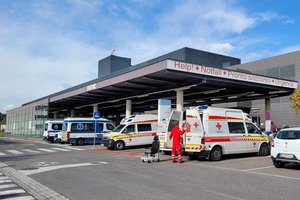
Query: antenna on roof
(113, 52)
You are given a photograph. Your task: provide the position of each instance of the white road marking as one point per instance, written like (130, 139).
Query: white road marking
(7, 186)
(50, 168)
(2, 154)
(31, 151)
(15, 152)
(4, 178)
(5, 181)
(258, 168)
(250, 172)
(21, 198)
(223, 195)
(47, 150)
(74, 148)
(8, 192)
(61, 149)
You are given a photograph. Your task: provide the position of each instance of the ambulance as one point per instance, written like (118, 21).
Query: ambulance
(134, 130)
(51, 128)
(214, 132)
(80, 131)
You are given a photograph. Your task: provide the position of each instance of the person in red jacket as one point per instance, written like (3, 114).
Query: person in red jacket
(176, 135)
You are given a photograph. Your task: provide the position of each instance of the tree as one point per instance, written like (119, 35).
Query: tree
(295, 100)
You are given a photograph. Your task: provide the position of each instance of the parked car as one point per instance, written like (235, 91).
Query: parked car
(285, 147)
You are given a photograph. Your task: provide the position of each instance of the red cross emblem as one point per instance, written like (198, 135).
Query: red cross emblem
(219, 126)
(254, 144)
(130, 139)
(196, 124)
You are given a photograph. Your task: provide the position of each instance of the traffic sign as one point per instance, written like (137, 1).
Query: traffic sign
(97, 115)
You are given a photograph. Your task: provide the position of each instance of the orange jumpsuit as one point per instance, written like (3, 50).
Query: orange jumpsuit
(176, 135)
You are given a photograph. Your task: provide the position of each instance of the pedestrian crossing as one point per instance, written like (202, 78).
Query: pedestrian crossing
(27, 151)
(11, 191)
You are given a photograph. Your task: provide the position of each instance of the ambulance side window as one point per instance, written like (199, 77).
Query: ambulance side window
(236, 127)
(57, 126)
(101, 126)
(110, 127)
(144, 127)
(129, 129)
(171, 124)
(252, 129)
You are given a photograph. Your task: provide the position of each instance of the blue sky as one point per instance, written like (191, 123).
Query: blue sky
(48, 46)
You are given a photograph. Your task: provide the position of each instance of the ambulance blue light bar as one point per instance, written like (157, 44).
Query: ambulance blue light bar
(203, 107)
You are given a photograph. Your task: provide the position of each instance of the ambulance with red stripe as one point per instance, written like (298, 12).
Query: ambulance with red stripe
(214, 132)
(135, 130)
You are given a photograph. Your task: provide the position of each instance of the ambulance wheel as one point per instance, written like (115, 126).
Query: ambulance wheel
(264, 150)
(80, 142)
(119, 145)
(216, 154)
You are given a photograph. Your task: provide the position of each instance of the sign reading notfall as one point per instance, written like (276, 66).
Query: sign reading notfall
(228, 74)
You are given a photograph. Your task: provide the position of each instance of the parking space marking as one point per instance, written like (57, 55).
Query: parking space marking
(61, 149)
(15, 152)
(7, 186)
(2, 154)
(223, 195)
(31, 151)
(274, 175)
(5, 181)
(250, 172)
(51, 168)
(21, 198)
(74, 148)
(10, 192)
(46, 150)
(257, 168)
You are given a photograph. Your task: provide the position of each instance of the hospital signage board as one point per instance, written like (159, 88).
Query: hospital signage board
(228, 74)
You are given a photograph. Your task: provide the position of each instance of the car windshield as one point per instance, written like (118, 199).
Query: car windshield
(119, 128)
(65, 126)
(288, 135)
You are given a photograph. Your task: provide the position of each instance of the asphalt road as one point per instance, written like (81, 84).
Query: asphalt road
(88, 173)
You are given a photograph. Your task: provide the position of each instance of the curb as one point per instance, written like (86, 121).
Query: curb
(36, 189)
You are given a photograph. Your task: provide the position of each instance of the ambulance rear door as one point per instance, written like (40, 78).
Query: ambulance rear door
(194, 131)
(176, 116)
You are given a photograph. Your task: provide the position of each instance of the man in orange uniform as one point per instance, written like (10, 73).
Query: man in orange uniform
(176, 135)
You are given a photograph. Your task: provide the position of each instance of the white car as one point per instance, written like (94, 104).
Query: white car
(60, 137)
(286, 147)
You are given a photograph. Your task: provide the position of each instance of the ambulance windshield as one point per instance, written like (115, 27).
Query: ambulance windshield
(119, 128)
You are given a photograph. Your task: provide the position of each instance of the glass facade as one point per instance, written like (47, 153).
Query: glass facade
(27, 121)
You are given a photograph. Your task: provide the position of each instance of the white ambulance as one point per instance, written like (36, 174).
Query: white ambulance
(80, 131)
(51, 128)
(214, 132)
(135, 130)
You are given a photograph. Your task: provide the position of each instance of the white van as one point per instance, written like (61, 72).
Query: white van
(80, 131)
(215, 132)
(51, 128)
(135, 130)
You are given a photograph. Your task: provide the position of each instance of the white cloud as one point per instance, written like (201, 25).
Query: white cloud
(47, 46)
(8, 107)
(271, 16)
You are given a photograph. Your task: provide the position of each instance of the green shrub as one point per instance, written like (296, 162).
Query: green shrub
(2, 134)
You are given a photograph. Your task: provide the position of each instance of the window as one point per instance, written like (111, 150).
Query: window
(252, 128)
(46, 127)
(144, 127)
(171, 124)
(110, 127)
(236, 127)
(129, 129)
(82, 127)
(57, 126)
(288, 135)
(101, 126)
